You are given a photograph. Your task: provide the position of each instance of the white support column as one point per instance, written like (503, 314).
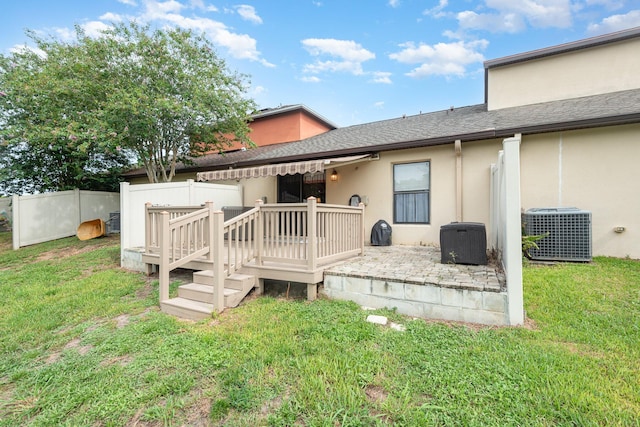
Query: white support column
(512, 255)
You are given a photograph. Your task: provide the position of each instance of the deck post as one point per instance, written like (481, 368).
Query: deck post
(259, 233)
(362, 231)
(210, 232)
(163, 272)
(148, 226)
(217, 224)
(312, 234)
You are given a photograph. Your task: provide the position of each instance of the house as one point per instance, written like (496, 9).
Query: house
(575, 108)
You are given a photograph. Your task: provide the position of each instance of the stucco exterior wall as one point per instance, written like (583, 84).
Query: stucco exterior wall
(601, 69)
(373, 181)
(595, 170)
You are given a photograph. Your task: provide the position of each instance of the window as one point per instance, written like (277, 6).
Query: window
(411, 193)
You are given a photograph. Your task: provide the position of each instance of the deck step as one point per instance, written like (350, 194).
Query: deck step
(187, 308)
(235, 281)
(195, 300)
(204, 293)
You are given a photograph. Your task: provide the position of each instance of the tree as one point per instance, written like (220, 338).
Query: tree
(80, 111)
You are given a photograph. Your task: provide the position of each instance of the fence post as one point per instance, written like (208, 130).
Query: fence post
(210, 231)
(78, 208)
(218, 260)
(259, 232)
(362, 231)
(164, 240)
(15, 221)
(512, 255)
(312, 234)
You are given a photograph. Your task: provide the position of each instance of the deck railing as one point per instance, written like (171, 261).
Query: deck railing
(302, 236)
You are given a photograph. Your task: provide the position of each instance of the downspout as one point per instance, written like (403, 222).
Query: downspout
(458, 148)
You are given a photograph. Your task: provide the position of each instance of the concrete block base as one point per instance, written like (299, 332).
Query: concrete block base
(425, 300)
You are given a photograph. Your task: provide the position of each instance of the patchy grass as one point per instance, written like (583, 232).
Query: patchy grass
(83, 343)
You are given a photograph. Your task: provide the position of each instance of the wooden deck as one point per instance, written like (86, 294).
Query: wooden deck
(289, 242)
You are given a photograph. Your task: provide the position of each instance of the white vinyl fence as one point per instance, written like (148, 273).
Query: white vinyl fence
(505, 225)
(39, 218)
(187, 193)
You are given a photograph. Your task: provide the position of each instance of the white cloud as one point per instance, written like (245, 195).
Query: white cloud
(65, 34)
(128, 2)
(26, 48)
(94, 28)
(345, 49)
(512, 16)
(349, 55)
(248, 13)
(504, 23)
(437, 11)
(311, 79)
(241, 46)
(111, 17)
(379, 104)
(440, 59)
(394, 3)
(199, 4)
(616, 23)
(258, 90)
(381, 77)
(608, 4)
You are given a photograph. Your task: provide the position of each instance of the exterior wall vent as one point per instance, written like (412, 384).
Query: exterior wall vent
(569, 231)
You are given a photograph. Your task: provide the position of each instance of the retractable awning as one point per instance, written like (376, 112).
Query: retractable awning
(311, 166)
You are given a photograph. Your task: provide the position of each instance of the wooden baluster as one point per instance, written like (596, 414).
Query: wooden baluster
(164, 255)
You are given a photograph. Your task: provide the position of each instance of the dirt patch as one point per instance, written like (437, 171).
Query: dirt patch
(198, 413)
(376, 393)
(76, 250)
(122, 321)
(119, 360)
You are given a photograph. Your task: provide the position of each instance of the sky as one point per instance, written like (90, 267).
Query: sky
(350, 61)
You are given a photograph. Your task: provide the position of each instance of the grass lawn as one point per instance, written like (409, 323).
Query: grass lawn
(82, 343)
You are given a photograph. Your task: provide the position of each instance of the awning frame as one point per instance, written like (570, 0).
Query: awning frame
(292, 168)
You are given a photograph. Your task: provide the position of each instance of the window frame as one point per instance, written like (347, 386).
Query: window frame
(426, 191)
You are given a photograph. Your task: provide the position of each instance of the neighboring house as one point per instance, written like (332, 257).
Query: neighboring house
(575, 106)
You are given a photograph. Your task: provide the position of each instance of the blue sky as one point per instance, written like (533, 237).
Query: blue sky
(351, 61)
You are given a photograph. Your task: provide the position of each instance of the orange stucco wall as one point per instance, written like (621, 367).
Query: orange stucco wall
(286, 127)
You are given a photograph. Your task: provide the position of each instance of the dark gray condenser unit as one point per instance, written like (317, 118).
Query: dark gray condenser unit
(569, 231)
(463, 243)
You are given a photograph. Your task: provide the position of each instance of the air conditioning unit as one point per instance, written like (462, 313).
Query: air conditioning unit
(568, 229)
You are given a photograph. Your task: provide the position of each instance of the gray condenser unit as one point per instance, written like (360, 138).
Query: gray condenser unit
(569, 233)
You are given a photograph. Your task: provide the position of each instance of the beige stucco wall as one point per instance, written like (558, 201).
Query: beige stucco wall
(608, 68)
(373, 180)
(595, 170)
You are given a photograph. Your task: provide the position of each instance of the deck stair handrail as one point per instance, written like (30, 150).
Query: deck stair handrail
(301, 235)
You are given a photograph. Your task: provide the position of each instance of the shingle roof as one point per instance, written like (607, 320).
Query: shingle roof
(472, 123)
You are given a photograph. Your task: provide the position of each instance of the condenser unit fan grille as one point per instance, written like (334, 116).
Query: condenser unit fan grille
(569, 233)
